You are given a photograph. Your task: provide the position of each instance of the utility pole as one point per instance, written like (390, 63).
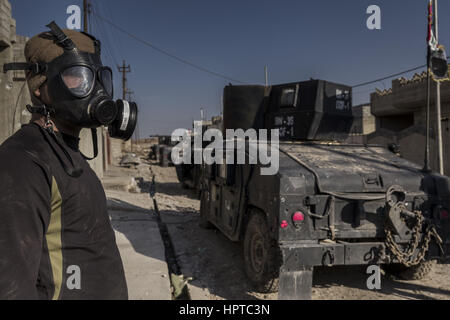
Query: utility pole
(124, 70)
(86, 12)
(137, 132)
(426, 167)
(136, 137)
(130, 93)
(202, 114)
(438, 99)
(266, 73)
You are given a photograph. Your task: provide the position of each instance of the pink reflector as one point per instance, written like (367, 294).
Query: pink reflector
(298, 217)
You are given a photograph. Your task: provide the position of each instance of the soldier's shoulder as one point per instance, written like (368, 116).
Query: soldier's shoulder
(27, 144)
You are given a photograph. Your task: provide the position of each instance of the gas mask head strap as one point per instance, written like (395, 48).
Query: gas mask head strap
(97, 43)
(61, 38)
(39, 68)
(35, 68)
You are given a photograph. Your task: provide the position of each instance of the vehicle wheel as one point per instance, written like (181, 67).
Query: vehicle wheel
(419, 272)
(203, 221)
(261, 254)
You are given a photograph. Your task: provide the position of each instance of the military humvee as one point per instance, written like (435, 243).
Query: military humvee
(330, 203)
(190, 175)
(162, 150)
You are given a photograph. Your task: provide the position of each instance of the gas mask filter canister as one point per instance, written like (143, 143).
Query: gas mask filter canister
(125, 123)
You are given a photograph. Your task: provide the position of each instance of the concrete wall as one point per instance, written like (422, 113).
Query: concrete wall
(14, 95)
(406, 99)
(411, 143)
(117, 147)
(20, 90)
(363, 120)
(5, 23)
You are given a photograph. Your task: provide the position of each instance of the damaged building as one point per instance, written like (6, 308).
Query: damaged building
(401, 119)
(14, 95)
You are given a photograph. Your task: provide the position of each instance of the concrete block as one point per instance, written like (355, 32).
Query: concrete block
(5, 40)
(12, 32)
(116, 149)
(127, 184)
(382, 105)
(5, 23)
(7, 5)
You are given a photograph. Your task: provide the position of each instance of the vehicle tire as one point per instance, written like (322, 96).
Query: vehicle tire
(419, 272)
(203, 221)
(261, 254)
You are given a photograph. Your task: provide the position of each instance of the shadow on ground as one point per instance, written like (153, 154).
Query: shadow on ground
(205, 255)
(214, 262)
(138, 225)
(217, 264)
(356, 277)
(168, 188)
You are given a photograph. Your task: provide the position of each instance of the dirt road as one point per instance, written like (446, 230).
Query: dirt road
(215, 265)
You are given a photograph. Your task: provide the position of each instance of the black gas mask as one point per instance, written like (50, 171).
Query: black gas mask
(81, 89)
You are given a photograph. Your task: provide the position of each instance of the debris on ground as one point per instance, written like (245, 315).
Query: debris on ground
(129, 160)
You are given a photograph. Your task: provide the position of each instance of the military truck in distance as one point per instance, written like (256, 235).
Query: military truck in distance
(330, 203)
(161, 152)
(190, 175)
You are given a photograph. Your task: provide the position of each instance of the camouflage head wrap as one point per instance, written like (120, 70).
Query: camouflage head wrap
(43, 49)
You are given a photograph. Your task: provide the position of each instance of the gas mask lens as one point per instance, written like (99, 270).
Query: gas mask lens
(105, 75)
(79, 80)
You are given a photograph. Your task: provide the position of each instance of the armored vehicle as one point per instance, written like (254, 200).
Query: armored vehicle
(330, 203)
(190, 175)
(162, 150)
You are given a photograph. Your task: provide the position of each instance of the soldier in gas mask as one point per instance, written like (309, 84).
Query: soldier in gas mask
(56, 239)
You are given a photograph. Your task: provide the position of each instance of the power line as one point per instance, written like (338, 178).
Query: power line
(182, 60)
(105, 43)
(388, 77)
(391, 76)
(111, 18)
(108, 44)
(362, 92)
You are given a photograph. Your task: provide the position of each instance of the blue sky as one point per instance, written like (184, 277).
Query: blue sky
(298, 40)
